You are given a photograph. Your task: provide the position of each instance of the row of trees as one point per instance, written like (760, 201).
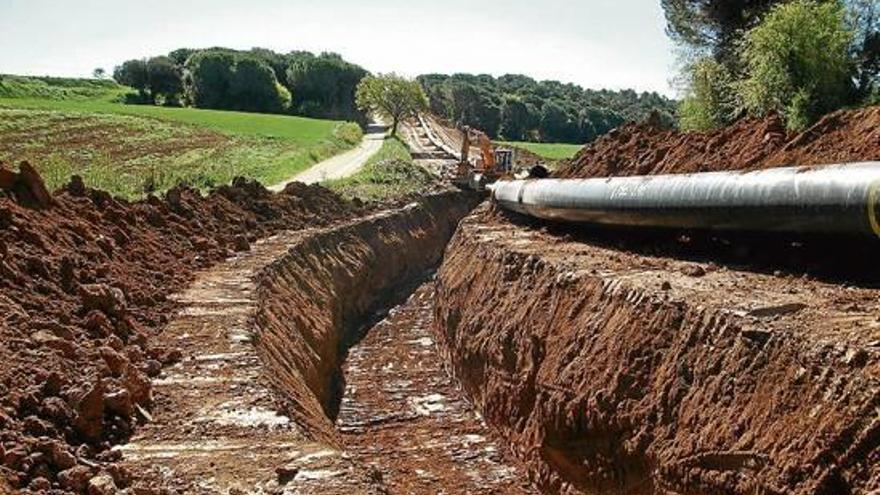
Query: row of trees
(259, 80)
(800, 58)
(518, 108)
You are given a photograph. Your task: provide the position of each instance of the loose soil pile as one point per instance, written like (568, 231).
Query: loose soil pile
(84, 280)
(750, 144)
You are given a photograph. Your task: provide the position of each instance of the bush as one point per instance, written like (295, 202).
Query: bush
(709, 102)
(797, 62)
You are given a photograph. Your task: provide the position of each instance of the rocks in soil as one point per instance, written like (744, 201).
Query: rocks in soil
(102, 484)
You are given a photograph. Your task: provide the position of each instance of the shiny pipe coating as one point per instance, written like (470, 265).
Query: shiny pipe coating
(828, 199)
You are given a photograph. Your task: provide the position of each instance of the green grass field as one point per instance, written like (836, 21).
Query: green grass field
(550, 151)
(65, 129)
(390, 173)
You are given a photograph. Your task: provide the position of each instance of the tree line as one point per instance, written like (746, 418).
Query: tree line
(518, 108)
(798, 58)
(257, 80)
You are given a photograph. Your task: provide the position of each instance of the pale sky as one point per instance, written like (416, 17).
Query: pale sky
(611, 44)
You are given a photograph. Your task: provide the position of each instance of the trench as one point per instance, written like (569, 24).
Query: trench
(343, 326)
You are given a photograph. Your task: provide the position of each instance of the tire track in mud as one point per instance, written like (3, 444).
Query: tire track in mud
(404, 416)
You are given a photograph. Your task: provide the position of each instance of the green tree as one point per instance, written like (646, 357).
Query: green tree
(164, 79)
(210, 76)
(180, 56)
(254, 88)
(133, 73)
(708, 102)
(713, 27)
(324, 86)
(391, 96)
(99, 73)
(555, 123)
(864, 18)
(516, 119)
(511, 106)
(798, 63)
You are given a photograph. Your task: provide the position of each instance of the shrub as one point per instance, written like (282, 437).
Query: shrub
(708, 102)
(797, 62)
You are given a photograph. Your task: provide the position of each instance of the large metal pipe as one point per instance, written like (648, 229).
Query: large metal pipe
(828, 199)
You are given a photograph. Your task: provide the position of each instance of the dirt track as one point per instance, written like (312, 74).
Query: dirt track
(341, 165)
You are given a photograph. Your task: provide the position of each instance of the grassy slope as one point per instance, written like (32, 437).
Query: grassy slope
(67, 129)
(550, 151)
(390, 173)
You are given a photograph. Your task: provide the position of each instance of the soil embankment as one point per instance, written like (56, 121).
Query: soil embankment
(749, 144)
(624, 371)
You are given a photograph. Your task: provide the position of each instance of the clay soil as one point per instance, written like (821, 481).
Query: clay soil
(405, 417)
(639, 367)
(84, 286)
(750, 144)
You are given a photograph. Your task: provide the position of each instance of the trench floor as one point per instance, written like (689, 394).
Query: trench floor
(403, 416)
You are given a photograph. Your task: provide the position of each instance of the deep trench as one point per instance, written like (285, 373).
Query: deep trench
(333, 290)
(347, 283)
(355, 331)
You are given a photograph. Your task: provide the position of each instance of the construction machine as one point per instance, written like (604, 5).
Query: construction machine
(493, 163)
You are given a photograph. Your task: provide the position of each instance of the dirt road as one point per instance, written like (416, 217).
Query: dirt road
(341, 165)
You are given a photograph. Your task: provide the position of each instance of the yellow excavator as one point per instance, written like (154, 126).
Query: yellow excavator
(492, 164)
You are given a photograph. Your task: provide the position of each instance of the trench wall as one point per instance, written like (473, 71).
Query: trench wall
(318, 294)
(603, 386)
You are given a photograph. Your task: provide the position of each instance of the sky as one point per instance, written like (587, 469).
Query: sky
(613, 44)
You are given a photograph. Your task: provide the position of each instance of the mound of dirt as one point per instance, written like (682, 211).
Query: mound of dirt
(749, 144)
(84, 280)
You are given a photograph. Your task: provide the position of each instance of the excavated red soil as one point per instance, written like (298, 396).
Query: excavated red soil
(750, 144)
(251, 407)
(615, 370)
(334, 281)
(83, 285)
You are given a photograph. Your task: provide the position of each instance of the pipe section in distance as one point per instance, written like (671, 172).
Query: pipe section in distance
(836, 199)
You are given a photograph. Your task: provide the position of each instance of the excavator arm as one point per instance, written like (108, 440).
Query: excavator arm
(487, 151)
